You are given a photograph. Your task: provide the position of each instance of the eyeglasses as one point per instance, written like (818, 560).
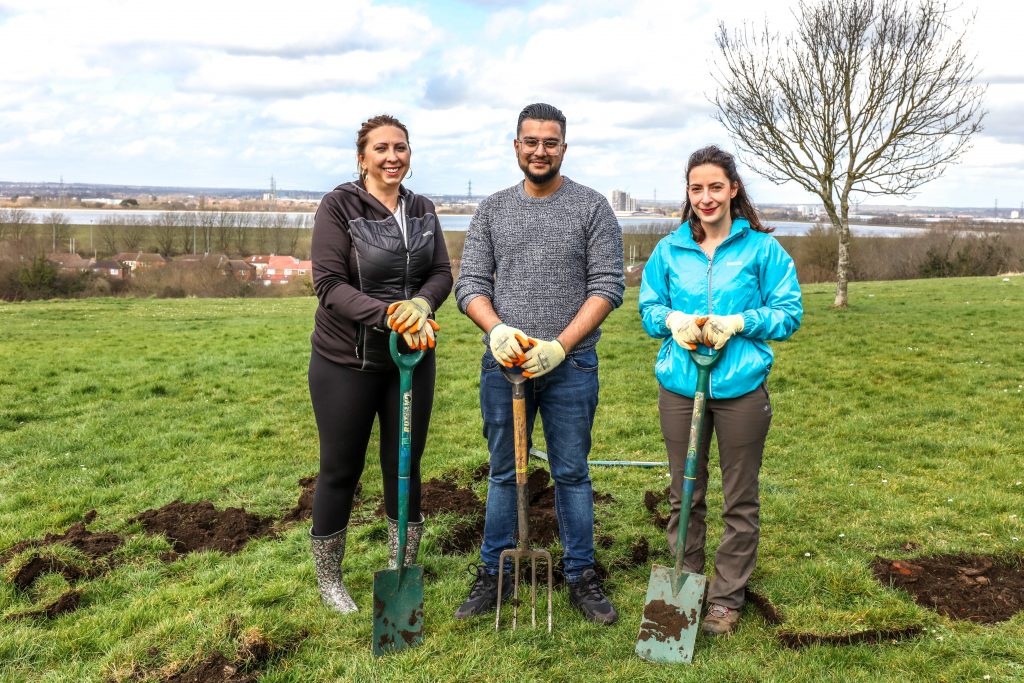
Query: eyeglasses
(551, 145)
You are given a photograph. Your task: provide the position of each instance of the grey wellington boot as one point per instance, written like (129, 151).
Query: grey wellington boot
(413, 534)
(328, 552)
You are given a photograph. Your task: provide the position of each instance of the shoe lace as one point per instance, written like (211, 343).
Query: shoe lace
(590, 589)
(718, 611)
(481, 579)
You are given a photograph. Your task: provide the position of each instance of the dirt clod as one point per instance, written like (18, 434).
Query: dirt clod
(192, 527)
(639, 552)
(664, 622)
(654, 501)
(304, 507)
(973, 588)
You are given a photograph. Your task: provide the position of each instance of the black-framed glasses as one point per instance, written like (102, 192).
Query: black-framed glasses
(551, 145)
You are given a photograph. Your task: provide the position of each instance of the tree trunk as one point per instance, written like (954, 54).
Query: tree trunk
(843, 262)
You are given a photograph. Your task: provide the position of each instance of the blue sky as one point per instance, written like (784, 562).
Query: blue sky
(228, 93)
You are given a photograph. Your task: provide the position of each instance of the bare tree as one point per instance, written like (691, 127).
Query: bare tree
(60, 230)
(869, 97)
(16, 224)
(134, 232)
(222, 230)
(165, 231)
(110, 234)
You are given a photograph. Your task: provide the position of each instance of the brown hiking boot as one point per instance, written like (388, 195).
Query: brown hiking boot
(720, 620)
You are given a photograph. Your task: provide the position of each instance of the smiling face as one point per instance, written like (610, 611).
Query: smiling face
(384, 161)
(711, 193)
(539, 149)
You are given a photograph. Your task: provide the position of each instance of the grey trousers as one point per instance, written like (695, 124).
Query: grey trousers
(741, 427)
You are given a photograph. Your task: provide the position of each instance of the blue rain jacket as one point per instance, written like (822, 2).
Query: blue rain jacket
(750, 274)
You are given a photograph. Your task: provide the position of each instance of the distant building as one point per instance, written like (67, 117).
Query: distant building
(622, 202)
(72, 263)
(108, 268)
(140, 260)
(281, 270)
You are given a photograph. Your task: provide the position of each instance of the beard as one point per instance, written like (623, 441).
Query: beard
(539, 178)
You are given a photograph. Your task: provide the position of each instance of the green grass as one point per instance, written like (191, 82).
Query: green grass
(897, 420)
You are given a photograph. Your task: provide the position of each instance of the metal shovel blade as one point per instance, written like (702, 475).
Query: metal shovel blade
(397, 609)
(671, 617)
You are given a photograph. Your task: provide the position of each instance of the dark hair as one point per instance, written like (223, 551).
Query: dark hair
(541, 112)
(739, 207)
(372, 124)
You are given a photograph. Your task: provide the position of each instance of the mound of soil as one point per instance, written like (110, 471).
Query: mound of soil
(481, 472)
(192, 527)
(254, 652)
(66, 603)
(92, 544)
(973, 588)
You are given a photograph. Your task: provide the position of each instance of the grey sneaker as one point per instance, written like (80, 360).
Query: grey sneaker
(587, 596)
(483, 595)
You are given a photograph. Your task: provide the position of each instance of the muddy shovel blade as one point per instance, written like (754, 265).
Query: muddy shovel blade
(397, 609)
(671, 617)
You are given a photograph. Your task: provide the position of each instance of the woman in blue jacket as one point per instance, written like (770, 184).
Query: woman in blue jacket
(722, 280)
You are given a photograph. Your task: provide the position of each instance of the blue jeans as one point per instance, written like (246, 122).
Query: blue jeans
(567, 400)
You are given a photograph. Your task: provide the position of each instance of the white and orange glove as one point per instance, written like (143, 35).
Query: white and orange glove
(424, 338)
(542, 357)
(718, 329)
(685, 328)
(508, 344)
(408, 315)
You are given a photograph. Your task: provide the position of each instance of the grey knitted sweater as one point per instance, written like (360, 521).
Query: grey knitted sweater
(538, 260)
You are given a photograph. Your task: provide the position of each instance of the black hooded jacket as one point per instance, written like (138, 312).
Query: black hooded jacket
(361, 265)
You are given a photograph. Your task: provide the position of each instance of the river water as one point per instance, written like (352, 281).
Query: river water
(451, 223)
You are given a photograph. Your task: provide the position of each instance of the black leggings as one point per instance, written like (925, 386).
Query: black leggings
(345, 402)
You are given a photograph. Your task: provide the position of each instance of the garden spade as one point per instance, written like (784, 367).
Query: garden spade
(398, 593)
(522, 552)
(674, 597)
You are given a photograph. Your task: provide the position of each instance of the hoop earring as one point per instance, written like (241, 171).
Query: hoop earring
(409, 174)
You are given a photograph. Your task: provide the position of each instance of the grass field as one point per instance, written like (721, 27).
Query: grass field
(896, 421)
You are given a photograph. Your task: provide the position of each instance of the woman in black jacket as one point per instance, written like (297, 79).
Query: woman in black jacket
(379, 263)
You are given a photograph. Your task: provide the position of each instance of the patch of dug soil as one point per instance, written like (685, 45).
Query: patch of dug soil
(254, 652)
(92, 544)
(462, 538)
(769, 612)
(39, 565)
(214, 669)
(639, 552)
(66, 603)
(974, 588)
(797, 640)
(481, 472)
(653, 502)
(192, 527)
(304, 507)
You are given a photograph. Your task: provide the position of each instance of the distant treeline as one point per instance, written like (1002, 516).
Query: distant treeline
(944, 250)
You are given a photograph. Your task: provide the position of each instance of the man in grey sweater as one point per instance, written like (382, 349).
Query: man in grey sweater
(541, 269)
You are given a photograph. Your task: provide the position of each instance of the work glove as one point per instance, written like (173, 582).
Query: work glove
(542, 357)
(685, 328)
(719, 328)
(424, 338)
(507, 344)
(408, 315)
